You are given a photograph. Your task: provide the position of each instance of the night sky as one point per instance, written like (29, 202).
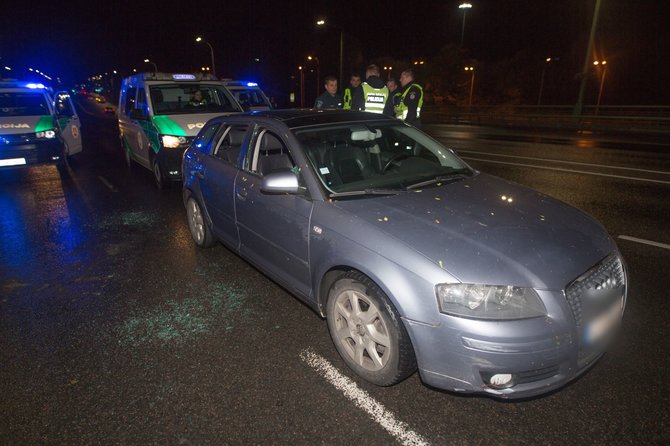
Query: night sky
(77, 39)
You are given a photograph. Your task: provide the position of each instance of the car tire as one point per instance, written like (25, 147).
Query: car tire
(367, 331)
(159, 178)
(197, 224)
(126, 156)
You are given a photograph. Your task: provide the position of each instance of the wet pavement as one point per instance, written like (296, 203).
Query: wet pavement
(115, 329)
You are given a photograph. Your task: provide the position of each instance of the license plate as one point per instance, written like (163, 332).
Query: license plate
(604, 323)
(13, 162)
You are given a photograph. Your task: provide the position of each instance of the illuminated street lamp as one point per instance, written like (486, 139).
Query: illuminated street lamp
(318, 73)
(603, 64)
(322, 22)
(152, 63)
(388, 71)
(472, 84)
(464, 7)
(211, 52)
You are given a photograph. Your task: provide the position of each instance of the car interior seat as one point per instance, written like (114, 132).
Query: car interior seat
(351, 163)
(272, 155)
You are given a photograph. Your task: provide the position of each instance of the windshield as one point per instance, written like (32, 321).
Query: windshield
(23, 104)
(179, 99)
(388, 155)
(251, 97)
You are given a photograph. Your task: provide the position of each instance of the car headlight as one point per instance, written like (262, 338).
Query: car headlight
(173, 142)
(47, 134)
(489, 301)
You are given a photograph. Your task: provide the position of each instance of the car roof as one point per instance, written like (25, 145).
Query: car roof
(296, 118)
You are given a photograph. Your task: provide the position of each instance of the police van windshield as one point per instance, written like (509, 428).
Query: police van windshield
(251, 98)
(23, 104)
(191, 98)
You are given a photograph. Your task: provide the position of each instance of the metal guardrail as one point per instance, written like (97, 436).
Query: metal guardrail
(645, 119)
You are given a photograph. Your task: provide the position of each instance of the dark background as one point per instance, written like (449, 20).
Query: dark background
(507, 39)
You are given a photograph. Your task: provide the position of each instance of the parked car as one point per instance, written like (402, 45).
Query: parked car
(415, 259)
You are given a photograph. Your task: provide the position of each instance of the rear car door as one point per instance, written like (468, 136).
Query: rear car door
(273, 228)
(68, 123)
(219, 169)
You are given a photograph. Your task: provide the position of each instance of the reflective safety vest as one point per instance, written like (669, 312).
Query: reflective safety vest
(402, 109)
(346, 99)
(375, 98)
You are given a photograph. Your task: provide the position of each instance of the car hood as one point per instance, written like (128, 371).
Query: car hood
(183, 125)
(486, 230)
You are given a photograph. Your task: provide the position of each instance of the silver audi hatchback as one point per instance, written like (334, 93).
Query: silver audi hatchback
(415, 259)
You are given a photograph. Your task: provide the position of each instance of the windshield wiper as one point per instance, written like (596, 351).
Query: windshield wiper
(364, 192)
(455, 175)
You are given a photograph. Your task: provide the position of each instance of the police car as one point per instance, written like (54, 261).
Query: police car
(160, 114)
(36, 127)
(249, 95)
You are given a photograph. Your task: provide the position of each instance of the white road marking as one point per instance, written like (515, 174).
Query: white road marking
(108, 184)
(385, 418)
(661, 172)
(643, 241)
(559, 169)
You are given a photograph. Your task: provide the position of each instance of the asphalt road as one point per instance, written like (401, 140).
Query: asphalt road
(115, 329)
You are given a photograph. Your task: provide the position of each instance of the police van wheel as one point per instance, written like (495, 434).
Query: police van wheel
(128, 159)
(161, 183)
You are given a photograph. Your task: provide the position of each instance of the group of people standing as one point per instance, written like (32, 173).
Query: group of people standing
(373, 95)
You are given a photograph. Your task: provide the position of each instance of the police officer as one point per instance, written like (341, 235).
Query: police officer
(329, 98)
(354, 85)
(373, 94)
(411, 99)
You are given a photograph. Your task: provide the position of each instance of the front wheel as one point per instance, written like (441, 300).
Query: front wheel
(161, 182)
(367, 331)
(197, 225)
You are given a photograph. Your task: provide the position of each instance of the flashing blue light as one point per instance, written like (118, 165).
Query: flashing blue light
(252, 84)
(183, 77)
(31, 85)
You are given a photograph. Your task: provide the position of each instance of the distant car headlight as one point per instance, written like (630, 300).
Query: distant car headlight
(47, 134)
(493, 302)
(173, 142)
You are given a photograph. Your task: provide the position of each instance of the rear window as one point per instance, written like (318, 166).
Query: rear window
(23, 104)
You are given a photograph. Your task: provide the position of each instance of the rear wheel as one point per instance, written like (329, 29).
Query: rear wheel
(197, 225)
(367, 331)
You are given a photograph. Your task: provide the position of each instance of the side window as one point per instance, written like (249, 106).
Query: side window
(230, 144)
(63, 105)
(130, 99)
(270, 154)
(141, 101)
(204, 137)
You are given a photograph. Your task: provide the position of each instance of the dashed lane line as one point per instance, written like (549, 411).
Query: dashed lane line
(644, 242)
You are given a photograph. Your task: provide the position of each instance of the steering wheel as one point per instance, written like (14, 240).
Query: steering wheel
(395, 158)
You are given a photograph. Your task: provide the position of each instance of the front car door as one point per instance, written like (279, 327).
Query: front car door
(68, 123)
(273, 228)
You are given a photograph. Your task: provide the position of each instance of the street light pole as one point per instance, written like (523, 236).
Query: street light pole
(152, 63)
(472, 85)
(585, 70)
(547, 61)
(318, 73)
(322, 22)
(211, 53)
(464, 7)
(603, 64)
(302, 86)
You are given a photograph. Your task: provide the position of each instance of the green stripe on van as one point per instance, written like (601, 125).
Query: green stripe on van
(45, 123)
(167, 126)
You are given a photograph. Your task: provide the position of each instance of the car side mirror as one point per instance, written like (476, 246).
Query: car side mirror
(138, 114)
(281, 182)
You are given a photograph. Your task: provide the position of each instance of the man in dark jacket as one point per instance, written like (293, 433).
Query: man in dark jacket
(373, 94)
(329, 98)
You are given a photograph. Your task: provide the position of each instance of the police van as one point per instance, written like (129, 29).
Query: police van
(160, 114)
(35, 126)
(248, 94)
